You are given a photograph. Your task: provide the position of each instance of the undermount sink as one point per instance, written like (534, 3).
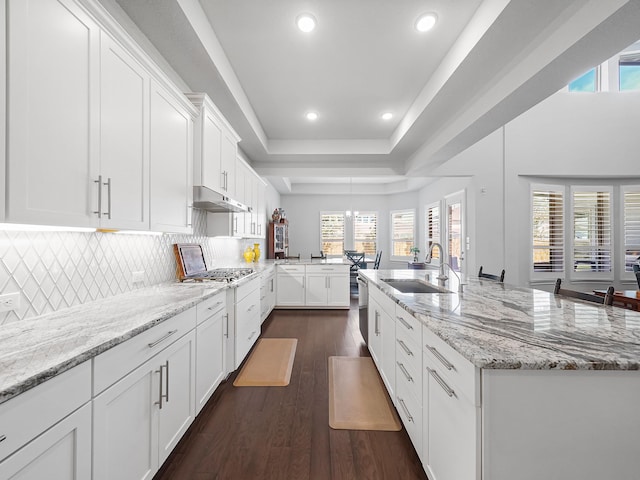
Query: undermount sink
(411, 285)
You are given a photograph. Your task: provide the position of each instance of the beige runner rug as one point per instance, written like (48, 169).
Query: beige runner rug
(358, 399)
(269, 365)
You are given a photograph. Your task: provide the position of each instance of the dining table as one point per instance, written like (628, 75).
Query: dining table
(628, 298)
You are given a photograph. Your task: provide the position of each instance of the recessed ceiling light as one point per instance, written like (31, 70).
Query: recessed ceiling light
(387, 116)
(311, 116)
(306, 22)
(426, 22)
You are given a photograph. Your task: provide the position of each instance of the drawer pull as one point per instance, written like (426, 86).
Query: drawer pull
(448, 365)
(405, 348)
(406, 410)
(251, 307)
(404, 371)
(404, 322)
(3, 438)
(442, 383)
(164, 337)
(162, 386)
(215, 307)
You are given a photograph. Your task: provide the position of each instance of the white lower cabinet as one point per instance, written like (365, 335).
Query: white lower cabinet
(247, 318)
(327, 286)
(291, 286)
(211, 333)
(139, 420)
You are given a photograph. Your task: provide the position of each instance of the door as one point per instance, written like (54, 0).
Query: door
(62, 452)
(455, 231)
(290, 291)
(53, 113)
(124, 139)
(171, 156)
(316, 290)
(338, 293)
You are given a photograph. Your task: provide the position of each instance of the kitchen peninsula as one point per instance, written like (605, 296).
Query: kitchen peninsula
(516, 382)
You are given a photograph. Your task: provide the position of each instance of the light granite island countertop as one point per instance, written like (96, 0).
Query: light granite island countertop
(37, 349)
(501, 326)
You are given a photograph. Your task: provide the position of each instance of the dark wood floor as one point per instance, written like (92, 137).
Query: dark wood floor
(283, 432)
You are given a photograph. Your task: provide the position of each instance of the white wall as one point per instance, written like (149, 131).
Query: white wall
(303, 213)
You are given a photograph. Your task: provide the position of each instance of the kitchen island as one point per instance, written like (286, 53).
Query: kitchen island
(542, 386)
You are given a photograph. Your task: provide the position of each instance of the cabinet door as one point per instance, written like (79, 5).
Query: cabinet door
(316, 290)
(178, 409)
(61, 453)
(388, 335)
(451, 433)
(338, 293)
(125, 426)
(210, 354)
(53, 107)
(228, 161)
(124, 138)
(211, 146)
(290, 292)
(171, 155)
(375, 340)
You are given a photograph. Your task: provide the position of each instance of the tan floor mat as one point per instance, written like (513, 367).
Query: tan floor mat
(358, 399)
(269, 365)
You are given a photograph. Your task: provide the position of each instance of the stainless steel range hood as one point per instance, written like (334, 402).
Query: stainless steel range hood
(212, 201)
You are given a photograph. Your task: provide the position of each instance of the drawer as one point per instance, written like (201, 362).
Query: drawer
(408, 373)
(405, 322)
(29, 414)
(249, 304)
(245, 288)
(459, 374)
(211, 306)
(291, 269)
(410, 411)
(115, 363)
(328, 269)
(386, 303)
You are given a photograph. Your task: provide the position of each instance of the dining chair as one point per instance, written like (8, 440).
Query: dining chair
(636, 270)
(589, 297)
(499, 278)
(315, 257)
(376, 263)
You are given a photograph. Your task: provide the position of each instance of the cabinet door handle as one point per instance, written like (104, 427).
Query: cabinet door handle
(164, 337)
(226, 334)
(328, 282)
(108, 185)
(404, 322)
(189, 216)
(99, 182)
(3, 438)
(404, 371)
(222, 179)
(448, 365)
(272, 285)
(405, 348)
(161, 395)
(252, 334)
(406, 410)
(251, 307)
(377, 323)
(166, 396)
(441, 382)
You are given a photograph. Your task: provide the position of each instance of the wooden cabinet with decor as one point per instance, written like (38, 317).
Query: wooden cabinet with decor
(278, 240)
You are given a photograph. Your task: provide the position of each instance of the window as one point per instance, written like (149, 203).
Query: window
(332, 233)
(587, 82)
(432, 234)
(365, 233)
(591, 229)
(631, 219)
(629, 71)
(402, 232)
(548, 229)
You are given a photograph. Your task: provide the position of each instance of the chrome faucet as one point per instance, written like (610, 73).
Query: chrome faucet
(442, 278)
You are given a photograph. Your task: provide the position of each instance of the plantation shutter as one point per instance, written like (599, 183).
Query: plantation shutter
(332, 233)
(402, 228)
(548, 230)
(591, 230)
(631, 228)
(433, 229)
(365, 227)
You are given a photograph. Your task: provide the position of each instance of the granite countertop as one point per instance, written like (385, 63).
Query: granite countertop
(500, 326)
(36, 349)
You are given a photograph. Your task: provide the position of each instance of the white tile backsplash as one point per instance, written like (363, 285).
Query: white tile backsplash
(55, 270)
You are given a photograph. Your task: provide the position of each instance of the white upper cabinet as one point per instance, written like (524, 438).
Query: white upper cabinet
(124, 139)
(171, 160)
(216, 146)
(53, 116)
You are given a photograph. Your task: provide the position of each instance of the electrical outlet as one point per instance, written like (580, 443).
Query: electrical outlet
(137, 277)
(9, 301)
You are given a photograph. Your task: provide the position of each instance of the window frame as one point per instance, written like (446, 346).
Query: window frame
(544, 276)
(401, 258)
(569, 235)
(377, 224)
(344, 231)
